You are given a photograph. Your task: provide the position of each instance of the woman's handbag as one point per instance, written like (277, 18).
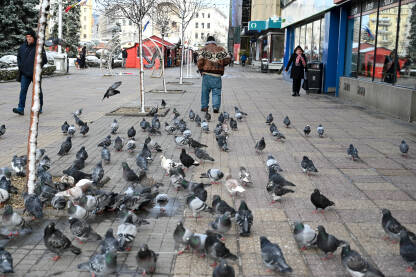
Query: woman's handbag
(19, 76)
(305, 85)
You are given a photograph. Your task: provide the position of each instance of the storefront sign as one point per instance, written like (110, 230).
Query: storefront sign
(274, 23)
(387, 2)
(302, 9)
(257, 25)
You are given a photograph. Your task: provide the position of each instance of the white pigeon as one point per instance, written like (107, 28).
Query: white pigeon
(131, 145)
(114, 126)
(77, 191)
(66, 179)
(233, 186)
(71, 130)
(167, 164)
(187, 133)
(244, 176)
(181, 141)
(320, 130)
(126, 232)
(4, 196)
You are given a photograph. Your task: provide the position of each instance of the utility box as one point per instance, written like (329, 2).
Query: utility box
(314, 76)
(264, 65)
(60, 63)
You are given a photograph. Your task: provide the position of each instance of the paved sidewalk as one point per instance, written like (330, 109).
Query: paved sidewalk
(384, 179)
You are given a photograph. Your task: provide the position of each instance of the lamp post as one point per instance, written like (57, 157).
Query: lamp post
(60, 25)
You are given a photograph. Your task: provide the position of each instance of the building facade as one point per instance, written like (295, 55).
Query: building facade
(367, 48)
(87, 21)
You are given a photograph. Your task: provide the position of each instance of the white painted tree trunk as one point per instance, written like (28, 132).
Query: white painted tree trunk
(163, 65)
(183, 53)
(141, 75)
(34, 111)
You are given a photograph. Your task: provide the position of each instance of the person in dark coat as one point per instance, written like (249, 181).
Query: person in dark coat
(124, 56)
(388, 68)
(298, 59)
(25, 62)
(83, 57)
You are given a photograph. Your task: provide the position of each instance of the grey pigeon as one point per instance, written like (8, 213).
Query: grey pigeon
(197, 242)
(198, 120)
(169, 128)
(226, 116)
(59, 202)
(82, 230)
(202, 155)
(141, 162)
(392, 226)
(260, 145)
(286, 121)
(105, 142)
(320, 201)
(195, 144)
(33, 205)
(155, 122)
(129, 174)
(126, 233)
(146, 153)
(217, 250)
(97, 173)
(109, 243)
(269, 118)
(182, 235)
(146, 259)
(105, 155)
(245, 176)
(14, 223)
(131, 133)
(82, 153)
(65, 147)
(233, 124)
(71, 130)
(404, 147)
(57, 242)
(244, 219)
(327, 242)
(304, 235)
(163, 104)
(353, 152)
(207, 116)
(84, 129)
(272, 256)
(196, 205)
(78, 164)
(6, 184)
(204, 126)
(102, 264)
(45, 162)
(219, 206)
(222, 142)
(153, 111)
(320, 130)
(308, 166)
(181, 141)
(78, 112)
(112, 90)
(275, 132)
(191, 114)
(222, 223)
(408, 250)
(77, 211)
(6, 261)
(118, 144)
(114, 127)
(356, 265)
(223, 269)
(19, 165)
(131, 145)
(78, 121)
(213, 174)
(144, 124)
(221, 118)
(307, 130)
(64, 128)
(2, 130)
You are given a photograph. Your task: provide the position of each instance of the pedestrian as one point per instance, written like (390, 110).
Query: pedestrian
(211, 62)
(243, 59)
(25, 62)
(388, 68)
(78, 60)
(124, 55)
(83, 57)
(231, 58)
(298, 62)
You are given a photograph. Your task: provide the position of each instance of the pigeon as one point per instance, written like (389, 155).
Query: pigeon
(97, 173)
(245, 176)
(131, 133)
(14, 223)
(109, 243)
(272, 256)
(219, 206)
(169, 129)
(187, 160)
(308, 166)
(275, 132)
(222, 142)
(146, 259)
(78, 121)
(260, 145)
(64, 128)
(238, 114)
(155, 122)
(320, 131)
(181, 235)
(4, 196)
(163, 104)
(222, 223)
(353, 152)
(307, 130)
(2, 130)
(277, 191)
(114, 127)
(112, 90)
(327, 242)
(286, 121)
(221, 118)
(233, 186)
(129, 174)
(6, 261)
(105, 142)
(202, 155)
(204, 126)
(78, 164)
(82, 154)
(269, 118)
(356, 265)
(82, 230)
(45, 162)
(223, 269)
(144, 124)
(304, 235)
(181, 141)
(195, 144)
(141, 162)
(78, 112)
(126, 233)
(153, 145)
(214, 175)
(57, 242)
(65, 147)
(196, 205)
(101, 264)
(197, 241)
(216, 249)
(191, 114)
(320, 201)
(176, 113)
(233, 124)
(33, 205)
(118, 144)
(408, 250)
(153, 111)
(76, 174)
(77, 211)
(404, 147)
(105, 155)
(59, 202)
(207, 116)
(19, 165)
(167, 164)
(198, 120)
(71, 130)
(131, 145)
(392, 226)
(146, 153)
(244, 219)
(84, 129)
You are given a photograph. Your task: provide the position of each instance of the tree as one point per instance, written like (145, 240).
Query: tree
(71, 25)
(412, 33)
(186, 11)
(135, 11)
(16, 17)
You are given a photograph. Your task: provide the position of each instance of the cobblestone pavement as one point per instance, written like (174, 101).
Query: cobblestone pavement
(384, 178)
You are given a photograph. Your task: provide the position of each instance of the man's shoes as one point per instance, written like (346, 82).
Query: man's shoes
(204, 109)
(297, 94)
(20, 112)
(216, 110)
(294, 94)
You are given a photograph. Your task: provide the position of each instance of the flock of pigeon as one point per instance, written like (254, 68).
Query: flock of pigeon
(83, 195)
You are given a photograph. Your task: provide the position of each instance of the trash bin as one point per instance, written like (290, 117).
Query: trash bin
(314, 76)
(264, 65)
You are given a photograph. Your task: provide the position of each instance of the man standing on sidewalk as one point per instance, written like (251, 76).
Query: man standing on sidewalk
(211, 62)
(124, 56)
(25, 62)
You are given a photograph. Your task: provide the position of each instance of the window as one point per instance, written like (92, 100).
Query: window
(296, 38)
(130, 23)
(174, 24)
(353, 34)
(196, 24)
(367, 40)
(196, 35)
(209, 16)
(202, 25)
(197, 15)
(208, 25)
(202, 35)
(85, 35)
(316, 40)
(308, 45)
(203, 15)
(85, 27)
(124, 22)
(302, 38)
(85, 17)
(277, 48)
(321, 38)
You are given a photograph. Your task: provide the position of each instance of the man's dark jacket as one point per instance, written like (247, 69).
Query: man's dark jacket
(26, 58)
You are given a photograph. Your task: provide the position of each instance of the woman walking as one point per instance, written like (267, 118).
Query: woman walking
(298, 69)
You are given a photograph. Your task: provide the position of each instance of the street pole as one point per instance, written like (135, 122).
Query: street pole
(183, 52)
(141, 75)
(60, 25)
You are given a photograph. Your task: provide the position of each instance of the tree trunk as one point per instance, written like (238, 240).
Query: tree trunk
(163, 65)
(34, 111)
(183, 52)
(141, 75)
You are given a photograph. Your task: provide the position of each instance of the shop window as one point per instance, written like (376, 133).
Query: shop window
(209, 16)
(277, 48)
(296, 38)
(208, 25)
(406, 49)
(351, 55)
(315, 41)
(196, 25)
(322, 38)
(196, 35)
(302, 36)
(308, 45)
(367, 40)
(202, 25)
